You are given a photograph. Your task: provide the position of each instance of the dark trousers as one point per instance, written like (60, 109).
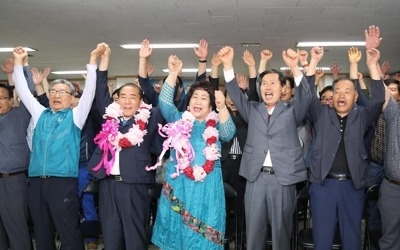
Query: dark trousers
(230, 175)
(14, 212)
(336, 201)
(54, 206)
(124, 213)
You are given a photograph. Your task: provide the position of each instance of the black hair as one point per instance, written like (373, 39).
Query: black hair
(327, 88)
(116, 92)
(10, 90)
(291, 81)
(392, 81)
(206, 86)
(343, 79)
(282, 77)
(131, 84)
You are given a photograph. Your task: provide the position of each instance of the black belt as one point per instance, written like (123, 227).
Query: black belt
(268, 170)
(115, 177)
(234, 156)
(340, 177)
(5, 175)
(395, 182)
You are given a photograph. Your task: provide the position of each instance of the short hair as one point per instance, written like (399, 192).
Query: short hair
(10, 90)
(392, 81)
(327, 88)
(131, 84)
(65, 82)
(206, 86)
(282, 77)
(343, 79)
(291, 81)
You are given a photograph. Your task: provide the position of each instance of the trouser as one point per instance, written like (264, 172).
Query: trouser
(375, 176)
(87, 201)
(267, 200)
(54, 205)
(336, 201)
(124, 213)
(14, 213)
(389, 206)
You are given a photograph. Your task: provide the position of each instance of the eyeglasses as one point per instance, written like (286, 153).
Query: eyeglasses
(54, 92)
(4, 98)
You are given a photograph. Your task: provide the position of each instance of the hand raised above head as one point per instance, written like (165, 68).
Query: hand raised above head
(317, 53)
(219, 99)
(19, 53)
(372, 37)
(99, 50)
(248, 58)
(290, 57)
(373, 56)
(335, 69)
(8, 67)
(46, 72)
(145, 49)
(226, 54)
(36, 76)
(303, 55)
(202, 51)
(266, 54)
(354, 55)
(174, 65)
(216, 60)
(385, 67)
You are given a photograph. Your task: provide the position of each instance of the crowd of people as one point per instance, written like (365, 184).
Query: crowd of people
(268, 134)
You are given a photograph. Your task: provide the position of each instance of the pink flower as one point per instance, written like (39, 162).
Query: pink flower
(199, 173)
(211, 152)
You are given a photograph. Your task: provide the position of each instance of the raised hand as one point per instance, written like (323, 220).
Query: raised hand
(216, 60)
(360, 76)
(36, 76)
(174, 65)
(319, 73)
(202, 51)
(158, 86)
(335, 69)
(248, 58)
(317, 53)
(373, 56)
(291, 58)
(98, 51)
(46, 72)
(19, 53)
(354, 55)
(8, 66)
(397, 76)
(372, 37)
(288, 73)
(266, 54)
(226, 54)
(219, 99)
(242, 81)
(303, 56)
(111, 86)
(149, 69)
(385, 67)
(145, 50)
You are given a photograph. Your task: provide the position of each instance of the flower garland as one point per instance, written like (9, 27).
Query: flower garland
(110, 140)
(178, 134)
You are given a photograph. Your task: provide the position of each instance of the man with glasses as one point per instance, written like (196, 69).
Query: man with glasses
(53, 169)
(14, 154)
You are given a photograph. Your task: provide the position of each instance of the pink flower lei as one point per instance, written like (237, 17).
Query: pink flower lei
(109, 139)
(178, 134)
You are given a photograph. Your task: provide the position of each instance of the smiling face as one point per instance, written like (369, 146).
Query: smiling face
(394, 90)
(129, 99)
(344, 96)
(60, 97)
(6, 101)
(287, 92)
(271, 89)
(200, 104)
(229, 103)
(327, 98)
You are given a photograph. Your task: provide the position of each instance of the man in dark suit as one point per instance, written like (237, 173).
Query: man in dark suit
(272, 161)
(338, 168)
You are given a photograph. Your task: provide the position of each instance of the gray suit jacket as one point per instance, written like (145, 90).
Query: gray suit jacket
(277, 134)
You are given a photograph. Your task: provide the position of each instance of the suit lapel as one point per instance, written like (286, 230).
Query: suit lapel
(334, 119)
(262, 109)
(280, 106)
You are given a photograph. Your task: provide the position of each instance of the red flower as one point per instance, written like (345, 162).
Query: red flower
(142, 125)
(211, 140)
(208, 166)
(124, 143)
(189, 172)
(211, 123)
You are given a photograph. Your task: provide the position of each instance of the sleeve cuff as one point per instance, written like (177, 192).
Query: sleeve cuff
(229, 75)
(297, 80)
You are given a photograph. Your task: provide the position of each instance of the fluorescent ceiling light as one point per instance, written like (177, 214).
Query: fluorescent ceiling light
(186, 70)
(71, 72)
(301, 68)
(12, 49)
(329, 44)
(162, 46)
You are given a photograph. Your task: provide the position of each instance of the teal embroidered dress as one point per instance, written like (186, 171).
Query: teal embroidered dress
(191, 215)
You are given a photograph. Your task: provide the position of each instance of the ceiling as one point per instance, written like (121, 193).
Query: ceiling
(65, 32)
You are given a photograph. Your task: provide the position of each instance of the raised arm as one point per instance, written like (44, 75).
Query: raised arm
(250, 62)
(103, 98)
(265, 56)
(81, 112)
(213, 77)
(335, 70)
(201, 52)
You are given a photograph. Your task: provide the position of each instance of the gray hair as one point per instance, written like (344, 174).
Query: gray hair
(65, 82)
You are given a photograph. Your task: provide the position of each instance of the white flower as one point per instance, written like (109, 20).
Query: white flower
(199, 173)
(113, 111)
(187, 116)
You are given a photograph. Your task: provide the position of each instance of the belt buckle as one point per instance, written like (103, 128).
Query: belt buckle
(342, 177)
(44, 176)
(117, 178)
(234, 157)
(4, 175)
